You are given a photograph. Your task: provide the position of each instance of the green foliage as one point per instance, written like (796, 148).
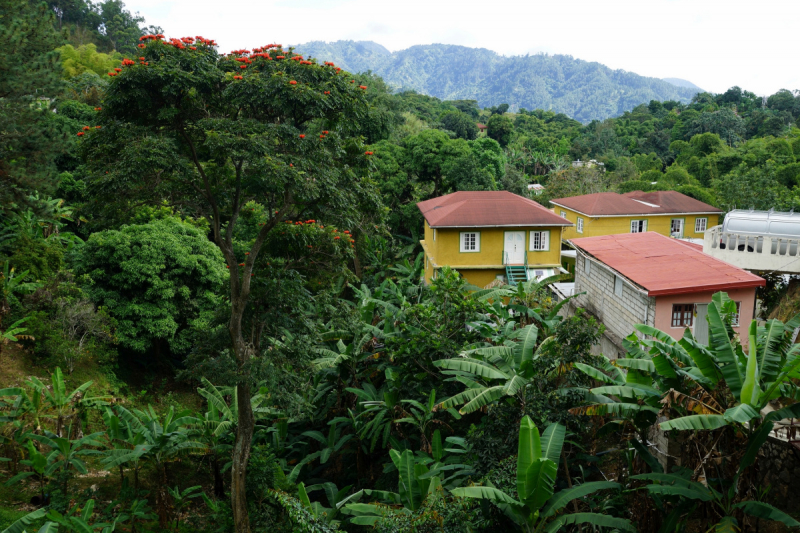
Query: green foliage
(159, 281)
(461, 124)
(86, 58)
(31, 77)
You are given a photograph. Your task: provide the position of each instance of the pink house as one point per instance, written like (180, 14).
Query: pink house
(648, 278)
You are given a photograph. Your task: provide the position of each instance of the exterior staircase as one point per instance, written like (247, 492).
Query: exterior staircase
(516, 273)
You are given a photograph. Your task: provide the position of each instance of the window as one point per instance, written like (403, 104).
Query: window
(700, 225)
(638, 226)
(540, 240)
(587, 266)
(563, 214)
(618, 286)
(470, 242)
(676, 227)
(682, 315)
(434, 235)
(580, 225)
(735, 321)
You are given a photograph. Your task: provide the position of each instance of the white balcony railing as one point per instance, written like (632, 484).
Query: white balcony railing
(761, 253)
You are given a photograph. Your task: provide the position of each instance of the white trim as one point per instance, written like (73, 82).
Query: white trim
(477, 242)
(705, 224)
(637, 214)
(641, 224)
(568, 224)
(544, 241)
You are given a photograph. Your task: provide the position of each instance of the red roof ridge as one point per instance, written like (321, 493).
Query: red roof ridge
(634, 203)
(487, 209)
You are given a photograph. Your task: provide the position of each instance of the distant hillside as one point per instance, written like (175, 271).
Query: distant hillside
(683, 83)
(582, 90)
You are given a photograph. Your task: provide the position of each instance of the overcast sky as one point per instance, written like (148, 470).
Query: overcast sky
(713, 44)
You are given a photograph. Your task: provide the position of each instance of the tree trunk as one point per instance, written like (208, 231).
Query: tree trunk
(162, 506)
(219, 487)
(246, 422)
(241, 455)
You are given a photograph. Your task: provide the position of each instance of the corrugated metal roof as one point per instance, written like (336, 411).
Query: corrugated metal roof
(634, 203)
(662, 265)
(469, 209)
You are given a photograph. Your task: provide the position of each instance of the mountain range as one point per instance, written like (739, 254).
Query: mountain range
(583, 90)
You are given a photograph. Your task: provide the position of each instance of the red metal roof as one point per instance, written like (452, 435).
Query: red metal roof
(649, 203)
(470, 209)
(665, 266)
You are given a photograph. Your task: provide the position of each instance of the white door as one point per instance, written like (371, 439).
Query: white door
(515, 247)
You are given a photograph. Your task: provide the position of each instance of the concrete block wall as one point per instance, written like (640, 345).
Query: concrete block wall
(618, 313)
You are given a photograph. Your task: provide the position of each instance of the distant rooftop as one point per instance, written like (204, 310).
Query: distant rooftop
(663, 266)
(472, 209)
(635, 203)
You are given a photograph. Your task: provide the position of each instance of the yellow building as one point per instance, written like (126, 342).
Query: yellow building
(669, 213)
(486, 235)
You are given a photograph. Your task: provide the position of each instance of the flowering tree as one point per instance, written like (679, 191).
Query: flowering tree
(209, 133)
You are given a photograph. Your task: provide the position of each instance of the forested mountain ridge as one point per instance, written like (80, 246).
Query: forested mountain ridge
(583, 90)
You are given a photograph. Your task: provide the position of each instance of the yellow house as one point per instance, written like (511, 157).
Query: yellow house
(486, 235)
(669, 213)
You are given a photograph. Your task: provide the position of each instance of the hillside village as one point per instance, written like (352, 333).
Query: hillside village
(250, 287)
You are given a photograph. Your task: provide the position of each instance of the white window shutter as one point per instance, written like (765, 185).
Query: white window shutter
(545, 245)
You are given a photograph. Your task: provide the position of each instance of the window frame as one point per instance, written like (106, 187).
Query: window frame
(546, 248)
(563, 214)
(587, 266)
(642, 223)
(683, 226)
(461, 242)
(736, 322)
(618, 286)
(579, 225)
(681, 320)
(705, 224)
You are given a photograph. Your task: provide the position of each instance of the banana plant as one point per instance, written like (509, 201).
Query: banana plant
(334, 495)
(494, 372)
(537, 506)
(58, 404)
(181, 500)
(331, 443)
(719, 492)
(38, 463)
(14, 333)
(412, 488)
(65, 454)
(72, 522)
(423, 417)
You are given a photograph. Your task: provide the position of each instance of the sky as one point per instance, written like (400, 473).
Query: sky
(713, 44)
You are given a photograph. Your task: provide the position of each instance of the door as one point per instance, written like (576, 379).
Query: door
(676, 228)
(515, 248)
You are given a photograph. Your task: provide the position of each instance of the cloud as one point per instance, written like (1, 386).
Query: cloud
(711, 43)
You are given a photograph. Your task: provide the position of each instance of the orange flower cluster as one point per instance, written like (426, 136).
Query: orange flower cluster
(242, 66)
(98, 108)
(302, 136)
(86, 128)
(207, 42)
(238, 78)
(292, 82)
(156, 37)
(112, 74)
(362, 87)
(117, 69)
(280, 57)
(80, 134)
(326, 92)
(97, 127)
(329, 64)
(127, 62)
(243, 60)
(352, 81)
(368, 153)
(325, 132)
(141, 46)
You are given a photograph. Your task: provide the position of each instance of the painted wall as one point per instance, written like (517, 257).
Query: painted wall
(480, 268)
(596, 227)
(664, 304)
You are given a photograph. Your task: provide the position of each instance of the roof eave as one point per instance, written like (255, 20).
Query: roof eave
(708, 288)
(504, 226)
